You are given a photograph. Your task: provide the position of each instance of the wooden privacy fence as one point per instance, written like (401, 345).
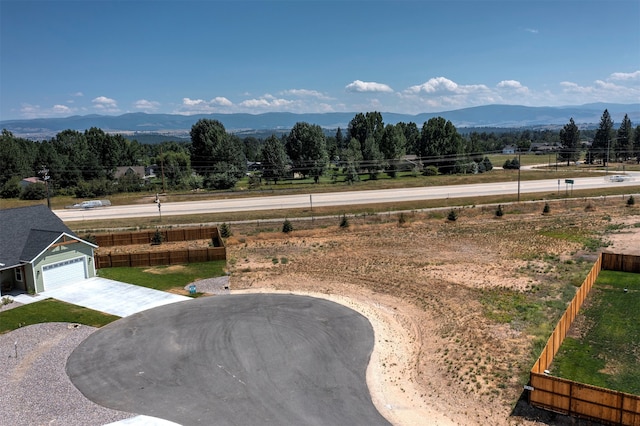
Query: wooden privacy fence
(168, 236)
(155, 258)
(573, 398)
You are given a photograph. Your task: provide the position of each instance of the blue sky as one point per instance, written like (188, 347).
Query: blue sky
(63, 58)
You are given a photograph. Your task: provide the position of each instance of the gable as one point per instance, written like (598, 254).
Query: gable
(27, 231)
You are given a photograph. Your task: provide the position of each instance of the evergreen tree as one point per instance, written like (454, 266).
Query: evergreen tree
(570, 142)
(601, 146)
(624, 140)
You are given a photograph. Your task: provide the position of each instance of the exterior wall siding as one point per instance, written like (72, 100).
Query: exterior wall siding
(60, 253)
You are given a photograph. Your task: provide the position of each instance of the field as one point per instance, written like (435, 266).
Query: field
(602, 347)
(461, 309)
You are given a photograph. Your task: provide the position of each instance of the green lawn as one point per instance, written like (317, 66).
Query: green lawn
(607, 354)
(165, 277)
(50, 310)
(158, 277)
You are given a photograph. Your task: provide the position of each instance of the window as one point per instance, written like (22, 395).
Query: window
(18, 274)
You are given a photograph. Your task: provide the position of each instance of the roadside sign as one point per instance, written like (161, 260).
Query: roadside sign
(568, 181)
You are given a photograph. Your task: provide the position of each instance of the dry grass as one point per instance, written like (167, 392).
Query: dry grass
(476, 296)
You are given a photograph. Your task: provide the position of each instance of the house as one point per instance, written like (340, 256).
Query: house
(509, 149)
(130, 171)
(38, 252)
(30, 180)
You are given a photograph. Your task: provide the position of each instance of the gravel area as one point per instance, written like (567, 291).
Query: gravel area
(217, 285)
(35, 386)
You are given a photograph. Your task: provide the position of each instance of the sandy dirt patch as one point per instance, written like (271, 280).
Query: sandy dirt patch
(433, 290)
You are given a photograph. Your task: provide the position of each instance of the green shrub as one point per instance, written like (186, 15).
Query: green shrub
(499, 212)
(344, 222)
(225, 230)
(287, 226)
(34, 191)
(430, 171)
(402, 219)
(157, 238)
(452, 216)
(11, 188)
(631, 201)
(546, 209)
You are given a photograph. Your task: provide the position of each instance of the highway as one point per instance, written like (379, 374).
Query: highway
(346, 198)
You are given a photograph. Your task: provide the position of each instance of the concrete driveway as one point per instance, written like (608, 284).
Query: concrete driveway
(111, 297)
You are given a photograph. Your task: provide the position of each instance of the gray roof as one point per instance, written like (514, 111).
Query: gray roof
(27, 231)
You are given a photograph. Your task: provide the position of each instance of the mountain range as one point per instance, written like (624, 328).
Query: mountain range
(175, 125)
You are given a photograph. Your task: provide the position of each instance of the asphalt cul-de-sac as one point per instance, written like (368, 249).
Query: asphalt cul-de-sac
(250, 359)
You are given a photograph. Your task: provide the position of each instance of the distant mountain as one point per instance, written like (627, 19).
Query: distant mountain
(178, 126)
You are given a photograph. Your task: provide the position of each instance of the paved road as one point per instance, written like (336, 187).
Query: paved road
(341, 198)
(256, 359)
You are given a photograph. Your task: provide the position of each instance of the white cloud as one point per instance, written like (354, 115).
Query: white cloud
(267, 102)
(36, 111)
(221, 101)
(146, 105)
(531, 30)
(305, 93)
(61, 109)
(444, 85)
(200, 106)
(368, 86)
(514, 86)
(104, 104)
(77, 94)
(625, 76)
(192, 102)
(30, 111)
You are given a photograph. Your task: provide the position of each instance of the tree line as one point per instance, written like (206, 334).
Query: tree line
(83, 164)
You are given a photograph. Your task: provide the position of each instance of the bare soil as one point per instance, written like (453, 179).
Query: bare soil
(438, 358)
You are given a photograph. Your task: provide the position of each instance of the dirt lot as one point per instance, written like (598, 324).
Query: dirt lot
(434, 291)
(449, 301)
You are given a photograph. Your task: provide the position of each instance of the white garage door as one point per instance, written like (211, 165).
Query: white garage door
(60, 274)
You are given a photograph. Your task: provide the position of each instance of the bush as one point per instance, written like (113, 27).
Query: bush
(499, 212)
(157, 238)
(402, 219)
(344, 222)
(488, 166)
(287, 226)
(225, 231)
(11, 188)
(546, 209)
(452, 216)
(631, 201)
(513, 164)
(430, 171)
(34, 191)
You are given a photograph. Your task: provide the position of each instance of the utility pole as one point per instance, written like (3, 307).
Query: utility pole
(45, 176)
(519, 167)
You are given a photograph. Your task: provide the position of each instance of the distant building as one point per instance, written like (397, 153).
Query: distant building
(129, 171)
(509, 149)
(30, 180)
